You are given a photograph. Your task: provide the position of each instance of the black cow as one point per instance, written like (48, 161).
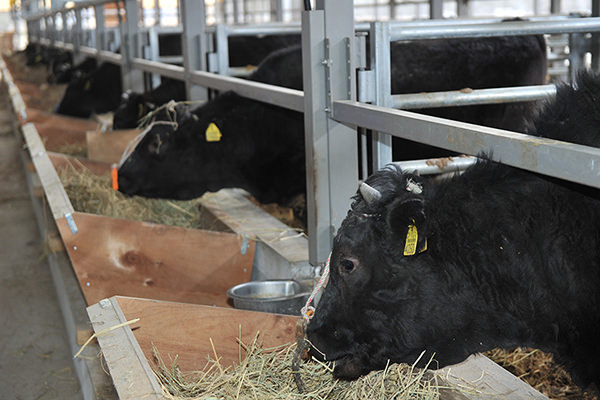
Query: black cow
(136, 105)
(252, 50)
(262, 149)
(97, 92)
(65, 72)
(495, 257)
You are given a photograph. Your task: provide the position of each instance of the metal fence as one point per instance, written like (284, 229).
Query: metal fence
(336, 99)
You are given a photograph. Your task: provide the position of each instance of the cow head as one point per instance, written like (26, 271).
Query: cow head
(176, 157)
(380, 298)
(131, 110)
(77, 100)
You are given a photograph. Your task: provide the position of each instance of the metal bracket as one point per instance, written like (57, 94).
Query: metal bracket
(245, 245)
(348, 44)
(71, 223)
(327, 64)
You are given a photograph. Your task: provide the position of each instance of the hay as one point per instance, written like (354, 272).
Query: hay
(267, 374)
(93, 194)
(540, 371)
(72, 149)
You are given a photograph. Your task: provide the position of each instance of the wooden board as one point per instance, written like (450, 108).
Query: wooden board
(55, 193)
(109, 146)
(120, 257)
(125, 361)
(282, 253)
(60, 161)
(185, 330)
(482, 379)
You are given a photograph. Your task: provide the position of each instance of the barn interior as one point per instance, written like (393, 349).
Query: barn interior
(119, 296)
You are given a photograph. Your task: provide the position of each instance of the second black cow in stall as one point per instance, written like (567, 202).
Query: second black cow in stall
(495, 257)
(96, 92)
(260, 147)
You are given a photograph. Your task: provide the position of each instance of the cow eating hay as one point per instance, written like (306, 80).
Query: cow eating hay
(495, 257)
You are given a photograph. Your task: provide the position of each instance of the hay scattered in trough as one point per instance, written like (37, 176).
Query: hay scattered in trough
(540, 371)
(267, 374)
(73, 149)
(93, 194)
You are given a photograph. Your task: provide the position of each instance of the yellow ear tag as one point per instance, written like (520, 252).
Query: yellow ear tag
(140, 110)
(213, 134)
(87, 86)
(412, 237)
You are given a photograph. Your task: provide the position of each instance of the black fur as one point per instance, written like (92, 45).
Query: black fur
(95, 92)
(512, 259)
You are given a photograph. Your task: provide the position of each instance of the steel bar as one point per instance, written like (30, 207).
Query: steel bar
(155, 67)
(573, 162)
(508, 28)
(278, 96)
(467, 97)
(436, 166)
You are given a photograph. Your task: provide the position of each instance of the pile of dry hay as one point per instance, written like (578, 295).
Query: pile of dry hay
(540, 371)
(267, 374)
(94, 194)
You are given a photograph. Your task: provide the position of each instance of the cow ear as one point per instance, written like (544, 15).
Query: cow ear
(406, 219)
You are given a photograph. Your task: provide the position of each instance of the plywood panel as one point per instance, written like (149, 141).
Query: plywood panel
(109, 146)
(60, 161)
(184, 330)
(120, 257)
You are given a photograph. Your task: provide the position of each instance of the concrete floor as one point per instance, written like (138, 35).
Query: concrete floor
(35, 361)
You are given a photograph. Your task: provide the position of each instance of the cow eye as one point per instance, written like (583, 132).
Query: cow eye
(347, 265)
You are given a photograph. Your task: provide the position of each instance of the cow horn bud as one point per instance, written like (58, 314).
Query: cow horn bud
(368, 193)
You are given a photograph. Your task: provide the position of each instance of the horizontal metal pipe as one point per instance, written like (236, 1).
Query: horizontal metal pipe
(509, 28)
(436, 166)
(155, 67)
(467, 97)
(275, 95)
(564, 160)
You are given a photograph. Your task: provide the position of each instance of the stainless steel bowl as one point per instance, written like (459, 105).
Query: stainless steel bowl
(276, 296)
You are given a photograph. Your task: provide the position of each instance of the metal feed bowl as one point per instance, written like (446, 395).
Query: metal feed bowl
(275, 296)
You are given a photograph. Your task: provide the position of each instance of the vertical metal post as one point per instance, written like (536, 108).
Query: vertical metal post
(315, 126)
(577, 48)
(436, 9)
(194, 44)
(153, 52)
(130, 47)
(331, 150)
(51, 29)
(380, 64)
(462, 8)
(100, 27)
(392, 10)
(277, 10)
(554, 7)
(595, 41)
(236, 12)
(222, 49)
(77, 37)
(157, 13)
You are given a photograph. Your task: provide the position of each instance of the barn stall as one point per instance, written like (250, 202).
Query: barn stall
(317, 247)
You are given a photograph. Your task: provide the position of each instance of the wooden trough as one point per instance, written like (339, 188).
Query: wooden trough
(174, 280)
